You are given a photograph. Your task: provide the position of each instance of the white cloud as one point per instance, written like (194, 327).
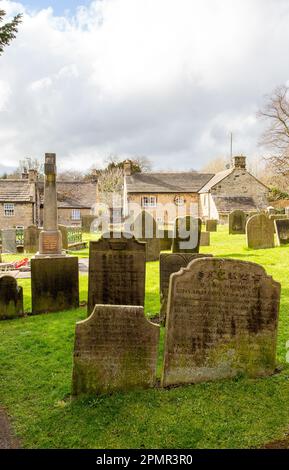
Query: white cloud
(164, 78)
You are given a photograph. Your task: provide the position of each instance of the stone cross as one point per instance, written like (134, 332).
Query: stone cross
(50, 240)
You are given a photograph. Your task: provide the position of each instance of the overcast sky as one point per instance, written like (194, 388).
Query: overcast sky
(169, 79)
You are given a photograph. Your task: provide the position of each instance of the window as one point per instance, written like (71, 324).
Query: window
(75, 214)
(179, 201)
(9, 209)
(149, 201)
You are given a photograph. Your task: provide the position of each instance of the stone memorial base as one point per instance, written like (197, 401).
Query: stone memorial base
(54, 283)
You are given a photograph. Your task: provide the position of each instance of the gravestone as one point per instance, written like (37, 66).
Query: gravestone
(237, 222)
(145, 229)
(9, 241)
(171, 263)
(116, 348)
(274, 217)
(260, 232)
(211, 225)
(11, 298)
(166, 239)
(64, 234)
(187, 235)
(31, 239)
(116, 271)
(205, 239)
(282, 231)
(221, 322)
(54, 284)
(87, 221)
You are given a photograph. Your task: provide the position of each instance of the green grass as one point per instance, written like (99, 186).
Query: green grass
(35, 379)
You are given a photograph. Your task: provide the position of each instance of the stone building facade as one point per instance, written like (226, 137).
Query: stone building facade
(21, 201)
(203, 195)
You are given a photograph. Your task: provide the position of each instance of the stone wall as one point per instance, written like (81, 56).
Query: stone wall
(241, 183)
(168, 198)
(23, 215)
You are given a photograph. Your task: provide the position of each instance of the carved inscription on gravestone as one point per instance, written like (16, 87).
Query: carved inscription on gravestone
(260, 232)
(116, 272)
(221, 321)
(282, 231)
(171, 263)
(116, 348)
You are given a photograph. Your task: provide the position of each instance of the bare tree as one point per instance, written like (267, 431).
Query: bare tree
(110, 184)
(276, 136)
(215, 165)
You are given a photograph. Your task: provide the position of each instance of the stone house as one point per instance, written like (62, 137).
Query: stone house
(202, 195)
(21, 201)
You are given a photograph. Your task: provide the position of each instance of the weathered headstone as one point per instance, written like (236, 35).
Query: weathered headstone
(145, 229)
(11, 298)
(87, 222)
(54, 276)
(187, 235)
(282, 231)
(31, 239)
(64, 235)
(274, 217)
(260, 232)
(116, 271)
(166, 239)
(171, 263)
(211, 225)
(205, 239)
(9, 241)
(116, 348)
(221, 322)
(237, 222)
(54, 284)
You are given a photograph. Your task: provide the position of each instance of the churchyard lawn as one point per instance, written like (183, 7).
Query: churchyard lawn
(35, 382)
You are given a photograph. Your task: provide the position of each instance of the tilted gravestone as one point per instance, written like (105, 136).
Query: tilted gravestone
(9, 241)
(274, 217)
(64, 234)
(11, 298)
(205, 239)
(145, 229)
(282, 231)
(221, 322)
(171, 263)
(260, 232)
(187, 235)
(116, 348)
(211, 225)
(31, 239)
(116, 271)
(237, 222)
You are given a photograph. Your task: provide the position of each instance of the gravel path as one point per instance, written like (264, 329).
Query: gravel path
(7, 440)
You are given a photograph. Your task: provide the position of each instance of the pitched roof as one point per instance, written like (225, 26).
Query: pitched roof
(216, 179)
(73, 194)
(15, 191)
(228, 204)
(187, 182)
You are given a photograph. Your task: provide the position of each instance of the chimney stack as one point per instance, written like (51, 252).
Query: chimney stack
(32, 176)
(127, 168)
(239, 162)
(24, 175)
